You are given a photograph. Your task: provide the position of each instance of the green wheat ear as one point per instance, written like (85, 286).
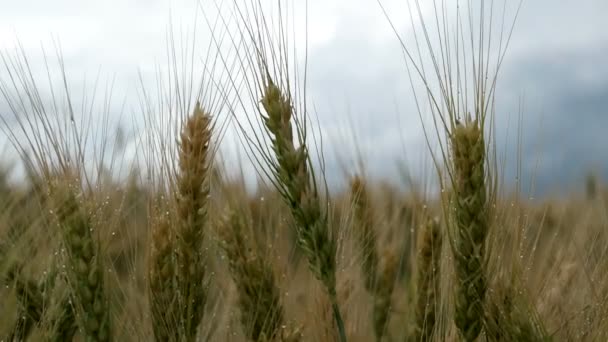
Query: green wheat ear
(302, 197)
(298, 188)
(469, 204)
(259, 300)
(86, 276)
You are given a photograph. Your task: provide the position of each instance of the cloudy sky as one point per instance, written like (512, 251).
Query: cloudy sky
(554, 77)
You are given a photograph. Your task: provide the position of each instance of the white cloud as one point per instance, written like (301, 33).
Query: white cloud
(356, 67)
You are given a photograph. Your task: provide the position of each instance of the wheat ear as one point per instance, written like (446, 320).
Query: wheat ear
(161, 277)
(429, 258)
(471, 225)
(379, 273)
(385, 284)
(86, 276)
(299, 189)
(191, 199)
(259, 301)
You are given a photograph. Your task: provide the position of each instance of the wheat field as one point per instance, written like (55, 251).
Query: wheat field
(173, 245)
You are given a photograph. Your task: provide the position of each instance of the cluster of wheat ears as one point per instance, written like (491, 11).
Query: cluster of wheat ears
(187, 253)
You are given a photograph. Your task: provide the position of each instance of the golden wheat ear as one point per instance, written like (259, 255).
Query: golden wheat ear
(192, 221)
(177, 262)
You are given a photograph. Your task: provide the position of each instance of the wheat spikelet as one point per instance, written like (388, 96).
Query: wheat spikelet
(258, 294)
(471, 225)
(429, 257)
(298, 187)
(86, 277)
